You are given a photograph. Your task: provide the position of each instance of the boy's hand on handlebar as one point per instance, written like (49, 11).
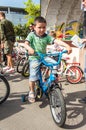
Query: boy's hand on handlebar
(31, 51)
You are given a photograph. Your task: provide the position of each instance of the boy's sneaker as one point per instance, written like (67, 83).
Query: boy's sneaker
(11, 70)
(6, 68)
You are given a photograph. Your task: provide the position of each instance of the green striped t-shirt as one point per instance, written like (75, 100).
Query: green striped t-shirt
(39, 44)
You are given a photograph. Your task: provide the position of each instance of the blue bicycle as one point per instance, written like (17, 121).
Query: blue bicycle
(4, 89)
(51, 88)
(4, 86)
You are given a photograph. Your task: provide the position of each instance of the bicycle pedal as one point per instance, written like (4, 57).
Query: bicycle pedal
(39, 93)
(24, 97)
(60, 85)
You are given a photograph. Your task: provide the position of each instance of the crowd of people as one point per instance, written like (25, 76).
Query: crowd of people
(36, 41)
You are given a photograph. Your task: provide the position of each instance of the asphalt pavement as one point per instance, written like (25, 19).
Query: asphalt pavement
(18, 115)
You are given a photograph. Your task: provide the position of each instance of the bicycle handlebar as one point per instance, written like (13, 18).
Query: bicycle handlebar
(59, 54)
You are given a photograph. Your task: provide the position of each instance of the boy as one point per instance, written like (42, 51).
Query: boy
(37, 41)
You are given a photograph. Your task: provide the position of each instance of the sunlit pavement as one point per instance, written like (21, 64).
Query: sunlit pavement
(18, 115)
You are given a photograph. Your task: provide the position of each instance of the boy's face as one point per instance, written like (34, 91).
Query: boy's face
(40, 28)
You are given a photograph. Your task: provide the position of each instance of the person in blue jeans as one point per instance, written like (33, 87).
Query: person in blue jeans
(83, 7)
(37, 41)
(83, 100)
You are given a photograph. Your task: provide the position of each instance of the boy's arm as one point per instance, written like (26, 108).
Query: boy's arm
(61, 43)
(84, 40)
(27, 47)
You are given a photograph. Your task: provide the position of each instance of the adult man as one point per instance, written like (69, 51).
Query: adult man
(0, 51)
(7, 41)
(0, 47)
(83, 7)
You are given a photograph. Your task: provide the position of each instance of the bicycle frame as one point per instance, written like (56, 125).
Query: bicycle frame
(45, 85)
(51, 88)
(65, 68)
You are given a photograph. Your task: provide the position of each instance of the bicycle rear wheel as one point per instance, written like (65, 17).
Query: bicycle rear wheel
(4, 89)
(57, 107)
(20, 64)
(74, 74)
(25, 70)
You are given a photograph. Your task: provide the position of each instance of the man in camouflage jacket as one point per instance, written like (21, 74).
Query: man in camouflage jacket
(7, 41)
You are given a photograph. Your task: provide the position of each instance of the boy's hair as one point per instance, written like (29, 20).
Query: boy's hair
(39, 19)
(2, 14)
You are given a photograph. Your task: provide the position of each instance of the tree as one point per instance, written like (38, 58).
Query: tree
(33, 10)
(21, 31)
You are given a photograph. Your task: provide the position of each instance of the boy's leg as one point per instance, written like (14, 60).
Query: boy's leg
(34, 76)
(31, 86)
(31, 96)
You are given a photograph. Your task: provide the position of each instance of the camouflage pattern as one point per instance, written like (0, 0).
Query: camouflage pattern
(7, 30)
(8, 47)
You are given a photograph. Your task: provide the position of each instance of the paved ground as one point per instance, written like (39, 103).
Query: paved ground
(16, 115)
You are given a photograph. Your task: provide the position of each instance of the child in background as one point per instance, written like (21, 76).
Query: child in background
(54, 47)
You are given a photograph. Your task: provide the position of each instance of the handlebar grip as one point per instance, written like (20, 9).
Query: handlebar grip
(49, 54)
(64, 51)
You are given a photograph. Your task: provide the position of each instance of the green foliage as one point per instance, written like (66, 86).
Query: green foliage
(33, 10)
(21, 31)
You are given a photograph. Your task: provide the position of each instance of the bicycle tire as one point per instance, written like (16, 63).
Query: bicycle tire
(25, 70)
(74, 79)
(38, 91)
(57, 106)
(20, 65)
(4, 89)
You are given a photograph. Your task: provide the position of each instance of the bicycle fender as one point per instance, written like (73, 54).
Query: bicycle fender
(56, 85)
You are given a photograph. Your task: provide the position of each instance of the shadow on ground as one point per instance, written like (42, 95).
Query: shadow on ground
(16, 77)
(14, 105)
(76, 111)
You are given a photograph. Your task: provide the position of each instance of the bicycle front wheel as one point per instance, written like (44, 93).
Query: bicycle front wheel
(74, 74)
(57, 107)
(4, 89)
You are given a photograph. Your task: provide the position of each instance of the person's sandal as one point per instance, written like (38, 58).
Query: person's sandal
(31, 97)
